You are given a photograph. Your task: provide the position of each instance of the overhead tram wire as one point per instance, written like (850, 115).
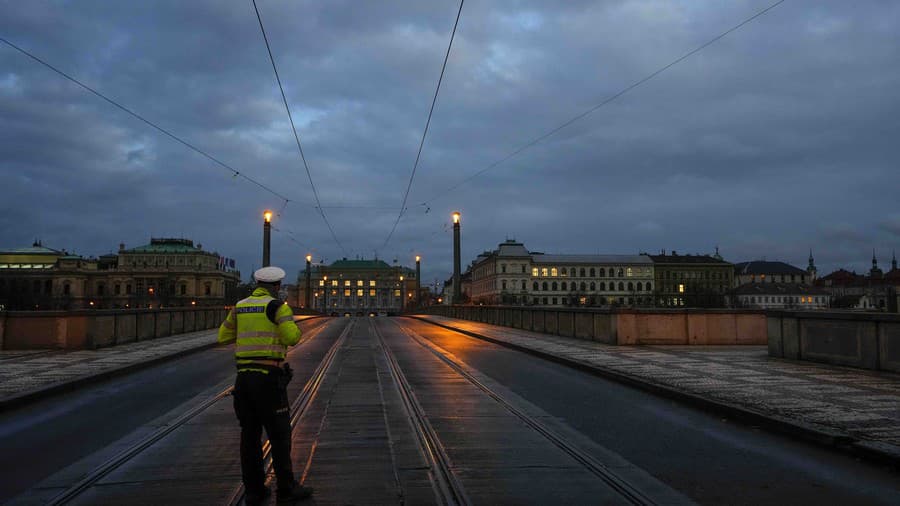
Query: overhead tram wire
(294, 129)
(611, 98)
(425, 132)
(234, 172)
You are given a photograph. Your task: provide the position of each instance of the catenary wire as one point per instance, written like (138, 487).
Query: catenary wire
(234, 172)
(425, 132)
(294, 129)
(609, 99)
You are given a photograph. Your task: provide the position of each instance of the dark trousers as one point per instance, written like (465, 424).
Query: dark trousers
(260, 400)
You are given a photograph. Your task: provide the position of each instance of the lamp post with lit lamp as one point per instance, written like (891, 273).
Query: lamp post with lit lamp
(267, 238)
(308, 280)
(325, 295)
(457, 293)
(418, 278)
(402, 295)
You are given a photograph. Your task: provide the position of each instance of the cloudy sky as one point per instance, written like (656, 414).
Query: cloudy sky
(782, 136)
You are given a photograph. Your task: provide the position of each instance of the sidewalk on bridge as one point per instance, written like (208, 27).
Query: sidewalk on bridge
(26, 376)
(851, 409)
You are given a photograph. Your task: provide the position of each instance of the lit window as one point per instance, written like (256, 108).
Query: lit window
(371, 292)
(629, 272)
(359, 292)
(396, 293)
(372, 282)
(346, 292)
(554, 272)
(359, 282)
(334, 282)
(321, 282)
(534, 272)
(347, 283)
(680, 288)
(544, 271)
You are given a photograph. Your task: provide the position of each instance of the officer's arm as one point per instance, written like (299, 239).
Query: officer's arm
(287, 329)
(228, 329)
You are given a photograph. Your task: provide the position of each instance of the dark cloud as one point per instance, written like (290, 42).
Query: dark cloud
(778, 139)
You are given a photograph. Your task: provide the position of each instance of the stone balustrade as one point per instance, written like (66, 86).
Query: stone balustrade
(91, 329)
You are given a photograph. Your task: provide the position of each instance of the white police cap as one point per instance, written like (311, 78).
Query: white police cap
(269, 274)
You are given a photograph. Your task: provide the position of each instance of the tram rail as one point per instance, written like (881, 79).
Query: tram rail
(628, 492)
(448, 489)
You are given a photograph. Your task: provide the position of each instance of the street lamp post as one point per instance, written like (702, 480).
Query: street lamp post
(267, 238)
(402, 295)
(457, 292)
(308, 280)
(418, 280)
(325, 295)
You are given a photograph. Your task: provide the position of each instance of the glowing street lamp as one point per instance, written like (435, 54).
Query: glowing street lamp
(456, 258)
(267, 238)
(308, 280)
(418, 278)
(325, 295)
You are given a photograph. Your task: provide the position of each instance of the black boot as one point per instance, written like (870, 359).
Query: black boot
(297, 492)
(256, 498)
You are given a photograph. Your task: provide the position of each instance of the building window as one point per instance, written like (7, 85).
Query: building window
(555, 287)
(544, 272)
(621, 286)
(534, 286)
(544, 286)
(396, 293)
(321, 282)
(602, 286)
(592, 272)
(371, 292)
(183, 289)
(681, 289)
(523, 284)
(503, 268)
(554, 272)
(359, 291)
(359, 283)
(504, 284)
(621, 273)
(128, 289)
(346, 292)
(554, 301)
(602, 272)
(564, 288)
(534, 272)
(371, 282)
(583, 286)
(640, 286)
(629, 272)
(207, 289)
(581, 272)
(593, 286)
(572, 272)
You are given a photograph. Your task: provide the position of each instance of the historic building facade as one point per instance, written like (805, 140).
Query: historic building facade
(692, 280)
(777, 295)
(358, 287)
(163, 273)
(875, 291)
(512, 275)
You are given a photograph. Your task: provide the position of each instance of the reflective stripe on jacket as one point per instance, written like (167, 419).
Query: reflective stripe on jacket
(256, 337)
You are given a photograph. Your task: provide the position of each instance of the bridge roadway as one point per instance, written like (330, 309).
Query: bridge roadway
(399, 411)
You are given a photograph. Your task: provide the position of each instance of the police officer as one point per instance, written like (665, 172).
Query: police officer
(263, 327)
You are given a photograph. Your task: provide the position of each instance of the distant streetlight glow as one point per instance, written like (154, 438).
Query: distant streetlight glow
(455, 216)
(309, 258)
(267, 216)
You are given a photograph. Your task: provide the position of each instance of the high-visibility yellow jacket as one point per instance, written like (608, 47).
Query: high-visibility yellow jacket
(257, 338)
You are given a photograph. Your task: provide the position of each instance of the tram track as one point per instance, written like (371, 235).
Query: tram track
(628, 492)
(120, 459)
(448, 489)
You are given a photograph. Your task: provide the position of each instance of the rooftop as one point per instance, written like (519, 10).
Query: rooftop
(166, 245)
(687, 259)
(763, 267)
(779, 289)
(540, 258)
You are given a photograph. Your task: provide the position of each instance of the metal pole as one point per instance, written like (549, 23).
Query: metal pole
(308, 282)
(457, 291)
(325, 296)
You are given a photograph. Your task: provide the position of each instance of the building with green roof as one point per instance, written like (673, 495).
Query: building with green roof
(358, 286)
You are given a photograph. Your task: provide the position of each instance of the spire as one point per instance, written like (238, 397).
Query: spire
(874, 260)
(894, 261)
(811, 268)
